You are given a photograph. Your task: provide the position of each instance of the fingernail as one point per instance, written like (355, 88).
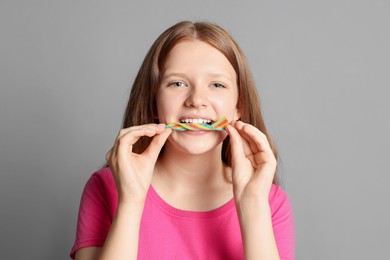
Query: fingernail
(161, 125)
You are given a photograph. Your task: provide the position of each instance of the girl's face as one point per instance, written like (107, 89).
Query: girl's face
(199, 84)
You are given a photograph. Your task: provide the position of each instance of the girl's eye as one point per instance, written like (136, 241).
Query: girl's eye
(177, 84)
(218, 85)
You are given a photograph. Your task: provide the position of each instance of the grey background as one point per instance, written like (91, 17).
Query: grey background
(322, 69)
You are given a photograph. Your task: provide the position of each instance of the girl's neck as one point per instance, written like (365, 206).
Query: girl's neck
(195, 178)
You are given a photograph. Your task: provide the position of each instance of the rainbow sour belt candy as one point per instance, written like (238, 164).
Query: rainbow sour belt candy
(217, 126)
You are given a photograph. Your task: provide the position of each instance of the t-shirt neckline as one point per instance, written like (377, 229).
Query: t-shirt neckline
(228, 206)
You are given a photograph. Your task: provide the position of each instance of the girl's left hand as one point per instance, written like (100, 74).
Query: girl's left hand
(253, 162)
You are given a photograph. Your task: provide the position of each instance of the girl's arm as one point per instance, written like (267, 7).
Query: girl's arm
(253, 166)
(256, 230)
(132, 174)
(122, 239)
(88, 253)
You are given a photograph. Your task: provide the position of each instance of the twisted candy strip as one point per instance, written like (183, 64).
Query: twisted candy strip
(217, 126)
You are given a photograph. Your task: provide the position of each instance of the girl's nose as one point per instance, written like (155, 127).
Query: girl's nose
(197, 98)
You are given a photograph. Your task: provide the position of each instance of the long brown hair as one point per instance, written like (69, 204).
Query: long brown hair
(141, 108)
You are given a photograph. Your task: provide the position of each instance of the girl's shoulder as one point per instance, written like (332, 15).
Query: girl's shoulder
(102, 182)
(277, 192)
(104, 175)
(279, 201)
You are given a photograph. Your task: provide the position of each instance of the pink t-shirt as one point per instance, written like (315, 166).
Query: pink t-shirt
(170, 233)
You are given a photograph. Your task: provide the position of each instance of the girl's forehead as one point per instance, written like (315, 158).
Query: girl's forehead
(197, 56)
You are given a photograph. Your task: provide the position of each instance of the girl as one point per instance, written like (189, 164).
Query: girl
(171, 194)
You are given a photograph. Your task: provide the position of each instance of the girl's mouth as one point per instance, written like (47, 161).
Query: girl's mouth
(196, 121)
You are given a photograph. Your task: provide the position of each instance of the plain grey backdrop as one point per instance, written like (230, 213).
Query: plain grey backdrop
(322, 70)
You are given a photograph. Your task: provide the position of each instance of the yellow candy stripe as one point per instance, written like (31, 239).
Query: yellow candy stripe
(221, 123)
(217, 126)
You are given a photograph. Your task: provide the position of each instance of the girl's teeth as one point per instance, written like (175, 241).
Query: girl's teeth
(195, 121)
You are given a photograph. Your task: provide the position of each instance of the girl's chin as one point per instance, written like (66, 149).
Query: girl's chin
(196, 133)
(195, 150)
(196, 142)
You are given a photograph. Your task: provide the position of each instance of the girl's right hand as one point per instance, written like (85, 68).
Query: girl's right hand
(133, 172)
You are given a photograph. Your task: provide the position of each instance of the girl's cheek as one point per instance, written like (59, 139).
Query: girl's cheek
(225, 103)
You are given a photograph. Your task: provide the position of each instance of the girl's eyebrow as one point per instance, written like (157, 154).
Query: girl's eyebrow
(213, 75)
(173, 74)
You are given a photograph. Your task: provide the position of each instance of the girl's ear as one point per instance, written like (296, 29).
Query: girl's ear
(237, 115)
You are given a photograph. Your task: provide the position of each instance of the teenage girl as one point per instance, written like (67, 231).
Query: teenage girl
(171, 194)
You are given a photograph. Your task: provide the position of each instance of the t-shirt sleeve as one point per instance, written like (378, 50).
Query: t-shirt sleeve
(283, 223)
(94, 218)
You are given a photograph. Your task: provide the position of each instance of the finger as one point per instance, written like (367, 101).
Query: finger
(247, 147)
(126, 142)
(132, 128)
(157, 143)
(108, 154)
(264, 153)
(237, 148)
(257, 140)
(114, 150)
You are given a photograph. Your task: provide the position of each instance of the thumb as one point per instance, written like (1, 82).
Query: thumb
(157, 143)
